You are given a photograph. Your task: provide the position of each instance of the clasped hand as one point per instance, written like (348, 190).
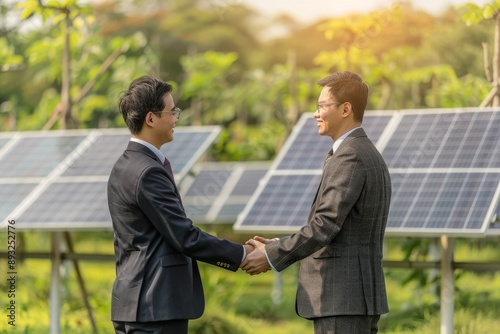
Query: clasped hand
(256, 261)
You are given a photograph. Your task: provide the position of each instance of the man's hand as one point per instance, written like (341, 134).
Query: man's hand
(248, 248)
(256, 262)
(263, 240)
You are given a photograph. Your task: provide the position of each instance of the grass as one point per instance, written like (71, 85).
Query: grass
(246, 304)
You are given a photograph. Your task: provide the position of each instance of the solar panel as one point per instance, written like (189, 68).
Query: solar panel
(70, 191)
(283, 204)
(187, 147)
(445, 139)
(445, 203)
(204, 190)
(37, 155)
(100, 157)
(11, 195)
(309, 149)
(444, 166)
(72, 204)
(220, 191)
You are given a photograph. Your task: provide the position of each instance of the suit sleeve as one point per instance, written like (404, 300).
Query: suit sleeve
(340, 188)
(157, 197)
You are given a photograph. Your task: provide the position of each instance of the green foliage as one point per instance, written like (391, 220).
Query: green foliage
(238, 303)
(8, 56)
(471, 13)
(227, 73)
(245, 143)
(218, 321)
(207, 74)
(468, 90)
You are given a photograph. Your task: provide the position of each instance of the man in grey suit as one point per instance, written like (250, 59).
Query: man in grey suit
(157, 286)
(341, 285)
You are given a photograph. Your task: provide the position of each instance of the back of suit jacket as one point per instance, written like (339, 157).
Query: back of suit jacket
(156, 245)
(341, 245)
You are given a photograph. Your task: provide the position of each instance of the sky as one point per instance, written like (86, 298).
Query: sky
(307, 11)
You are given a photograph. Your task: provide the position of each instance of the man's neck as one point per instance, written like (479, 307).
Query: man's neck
(146, 138)
(346, 129)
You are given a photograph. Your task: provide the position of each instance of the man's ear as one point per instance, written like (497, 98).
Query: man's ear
(149, 119)
(347, 109)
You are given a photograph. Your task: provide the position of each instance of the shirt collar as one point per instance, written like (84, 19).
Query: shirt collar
(156, 151)
(339, 141)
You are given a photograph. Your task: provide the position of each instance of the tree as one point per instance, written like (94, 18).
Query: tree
(473, 14)
(70, 55)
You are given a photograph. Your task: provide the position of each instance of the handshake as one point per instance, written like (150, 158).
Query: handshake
(256, 261)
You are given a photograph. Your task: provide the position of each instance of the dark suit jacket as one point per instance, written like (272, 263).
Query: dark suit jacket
(341, 245)
(156, 245)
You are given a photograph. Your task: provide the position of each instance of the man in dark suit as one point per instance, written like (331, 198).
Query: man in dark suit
(341, 285)
(157, 287)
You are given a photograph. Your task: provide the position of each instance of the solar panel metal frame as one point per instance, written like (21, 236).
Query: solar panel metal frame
(380, 144)
(56, 175)
(494, 228)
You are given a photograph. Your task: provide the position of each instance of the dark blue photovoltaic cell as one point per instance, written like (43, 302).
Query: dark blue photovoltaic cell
(204, 193)
(183, 148)
(452, 201)
(248, 182)
(284, 201)
(309, 149)
(208, 183)
(100, 157)
(37, 156)
(230, 212)
(73, 202)
(444, 140)
(11, 195)
(374, 125)
(197, 212)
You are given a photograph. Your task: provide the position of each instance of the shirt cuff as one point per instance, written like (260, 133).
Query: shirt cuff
(244, 254)
(267, 257)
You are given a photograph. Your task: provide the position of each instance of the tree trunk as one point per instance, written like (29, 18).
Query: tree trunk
(496, 62)
(66, 83)
(435, 91)
(293, 110)
(386, 93)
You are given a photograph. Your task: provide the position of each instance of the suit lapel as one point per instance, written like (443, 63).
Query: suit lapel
(331, 158)
(137, 147)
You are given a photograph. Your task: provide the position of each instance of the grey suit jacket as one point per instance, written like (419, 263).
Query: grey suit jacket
(341, 245)
(156, 245)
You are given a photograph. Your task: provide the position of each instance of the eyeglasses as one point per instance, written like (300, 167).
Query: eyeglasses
(323, 105)
(176, 112)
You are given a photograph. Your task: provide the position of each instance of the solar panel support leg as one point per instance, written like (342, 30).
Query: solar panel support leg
(81, 283)
(277, 289)
(55, 283)
(447, 285)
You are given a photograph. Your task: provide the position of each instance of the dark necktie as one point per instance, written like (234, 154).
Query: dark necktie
(167, 166)
(328, 156)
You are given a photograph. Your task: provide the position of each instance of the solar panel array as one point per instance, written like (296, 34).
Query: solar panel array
(219, 191)
(58, 179)
(444, 165)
